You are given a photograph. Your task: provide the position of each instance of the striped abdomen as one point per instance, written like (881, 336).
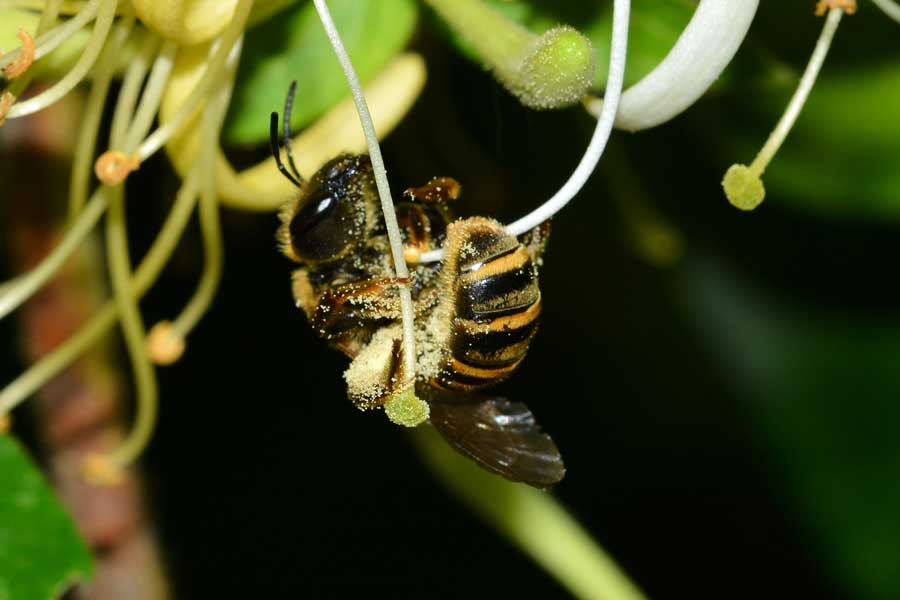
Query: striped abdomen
(491, 280)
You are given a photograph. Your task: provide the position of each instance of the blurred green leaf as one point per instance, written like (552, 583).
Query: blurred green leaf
(40, 551)
(843, 157)
(655, 27)
(824, 389)
(292, 45)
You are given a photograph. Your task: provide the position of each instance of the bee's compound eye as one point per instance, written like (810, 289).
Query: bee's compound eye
(326, 226)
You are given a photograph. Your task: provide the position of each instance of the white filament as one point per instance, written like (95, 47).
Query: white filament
(618, 52)
(890, 8)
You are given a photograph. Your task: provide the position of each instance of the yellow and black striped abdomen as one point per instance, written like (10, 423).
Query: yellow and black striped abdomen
(496, 303)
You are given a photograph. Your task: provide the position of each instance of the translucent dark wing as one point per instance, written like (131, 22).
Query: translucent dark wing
(502, 437)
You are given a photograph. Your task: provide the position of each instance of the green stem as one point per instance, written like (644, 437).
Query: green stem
(533, 521)
(547, 71)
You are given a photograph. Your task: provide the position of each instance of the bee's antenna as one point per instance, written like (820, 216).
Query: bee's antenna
(276, 150)
(288, 105)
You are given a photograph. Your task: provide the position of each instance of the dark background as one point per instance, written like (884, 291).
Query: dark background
(266, 482)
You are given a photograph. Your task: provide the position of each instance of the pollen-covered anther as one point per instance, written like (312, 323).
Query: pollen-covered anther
(113, 166)
(164, 345)
(25, 58)
(6, 100)
(743, 187)
(5, 424)
(100, 470)
(848, 6)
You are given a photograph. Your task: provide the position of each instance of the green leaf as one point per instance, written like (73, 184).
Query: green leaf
(823, 387)
(292, 45)
(655, 27)
(41, 553)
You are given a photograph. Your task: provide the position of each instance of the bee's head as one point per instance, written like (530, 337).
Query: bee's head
(328, 218)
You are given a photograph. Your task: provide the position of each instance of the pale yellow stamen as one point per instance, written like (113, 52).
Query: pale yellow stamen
(113, 166)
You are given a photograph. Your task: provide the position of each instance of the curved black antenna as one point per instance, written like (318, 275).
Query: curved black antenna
(276, 150)
(288, 105)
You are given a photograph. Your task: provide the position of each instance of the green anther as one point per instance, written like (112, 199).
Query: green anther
(407, 409)
(743, 187)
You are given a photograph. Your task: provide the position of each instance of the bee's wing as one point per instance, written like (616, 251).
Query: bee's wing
(503, 437)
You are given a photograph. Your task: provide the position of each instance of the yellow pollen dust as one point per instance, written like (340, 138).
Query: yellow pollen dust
(98, 469)
(406, 409)
(848, 6)
(114, 166)
(25, 58)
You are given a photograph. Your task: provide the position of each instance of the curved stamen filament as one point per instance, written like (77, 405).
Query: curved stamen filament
(132, 325)
(618, 52)
(102, 26)
(742, 184)
(91, 116)
(145, 275)
(213, 117)
(131, 87)
(226, 51)
(16, 291)
(153, 92)
(387, 204)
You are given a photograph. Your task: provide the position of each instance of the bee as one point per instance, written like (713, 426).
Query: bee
(475, 312)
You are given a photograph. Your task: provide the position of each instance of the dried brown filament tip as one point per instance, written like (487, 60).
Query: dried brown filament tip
(848, 6)
(25, 58)
(113, 166)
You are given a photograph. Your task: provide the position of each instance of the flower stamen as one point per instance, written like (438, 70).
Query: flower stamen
(848, 6)
(114, 166)
(25, 58)
(743, 184)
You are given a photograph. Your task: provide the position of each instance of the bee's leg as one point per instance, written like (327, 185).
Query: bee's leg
(348, 314)
(535, 240)
(438, 190)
